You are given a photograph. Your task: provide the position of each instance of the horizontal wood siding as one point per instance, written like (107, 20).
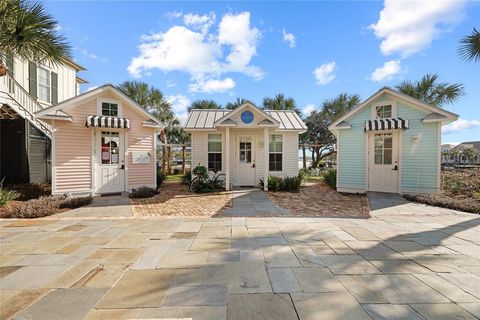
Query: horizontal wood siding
(139, 139)
(351, 152)
(73, 150)
(419, 160)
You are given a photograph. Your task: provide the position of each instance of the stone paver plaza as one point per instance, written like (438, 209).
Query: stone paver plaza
(390, 266)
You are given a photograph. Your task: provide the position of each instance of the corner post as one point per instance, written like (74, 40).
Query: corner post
(227, 159)
(266, 150)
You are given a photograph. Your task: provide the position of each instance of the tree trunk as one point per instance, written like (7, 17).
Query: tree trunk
(169, 154)
(304, 157)
(164, 155)
(314, 162)
(183, 159)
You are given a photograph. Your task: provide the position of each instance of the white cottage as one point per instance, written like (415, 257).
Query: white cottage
(247, 144)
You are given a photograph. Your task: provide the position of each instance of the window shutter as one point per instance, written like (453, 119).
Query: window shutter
(32, 79)
(54, 79)
(9, 64)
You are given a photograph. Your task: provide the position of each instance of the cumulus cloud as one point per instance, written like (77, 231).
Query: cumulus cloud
(309, 108)
(171, 83)
(325, 73)
(460, 125)
(205, 54)
(92, 56)
(179, 104)
(289, 38)
(212, 85)
(387, 71)
(408, 27)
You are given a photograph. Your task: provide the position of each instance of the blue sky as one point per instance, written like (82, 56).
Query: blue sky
(310, 51)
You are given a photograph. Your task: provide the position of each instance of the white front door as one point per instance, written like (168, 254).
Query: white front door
(110, 161)
(383, 162)
(245, 160)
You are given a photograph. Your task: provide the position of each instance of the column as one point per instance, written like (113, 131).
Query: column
(227, 159)
(266, 150)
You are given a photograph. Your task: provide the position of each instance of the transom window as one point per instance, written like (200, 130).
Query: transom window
(384, 111)
(44, 84)
(245, 150)
(109, 109)
(110, 148)
(215, 152)
(383, 148)
(275, 156)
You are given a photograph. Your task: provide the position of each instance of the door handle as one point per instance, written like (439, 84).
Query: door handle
(395, 168)
(122, 167)
(253, 165)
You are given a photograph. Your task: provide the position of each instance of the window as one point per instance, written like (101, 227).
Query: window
(44, 84)
(215, 152)
(245, 150)
(109, 109)
(384, 111)
(110, 147)
(275, 156)
(383, 148)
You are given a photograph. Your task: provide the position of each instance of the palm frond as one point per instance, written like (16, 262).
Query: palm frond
(469, 49)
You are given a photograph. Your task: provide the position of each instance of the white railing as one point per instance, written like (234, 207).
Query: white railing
(26, 104)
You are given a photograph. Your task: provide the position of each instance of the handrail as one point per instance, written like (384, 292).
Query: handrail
(24, 100)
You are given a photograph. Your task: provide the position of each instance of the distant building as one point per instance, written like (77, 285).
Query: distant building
(456, 153)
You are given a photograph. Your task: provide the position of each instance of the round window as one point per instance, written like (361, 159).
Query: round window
(247, 117)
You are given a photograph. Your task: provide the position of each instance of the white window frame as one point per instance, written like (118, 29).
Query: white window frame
(392, 103)
(99, 106)
(275, 152)
(221, 149)
(49, 85)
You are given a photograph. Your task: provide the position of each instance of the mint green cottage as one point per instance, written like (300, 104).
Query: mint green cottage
(390, 143)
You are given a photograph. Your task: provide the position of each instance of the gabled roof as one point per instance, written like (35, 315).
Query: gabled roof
(201, 119)
(72, 102)
(436, 113)
(468, 144)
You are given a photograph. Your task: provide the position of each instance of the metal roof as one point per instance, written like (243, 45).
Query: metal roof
(206, 118)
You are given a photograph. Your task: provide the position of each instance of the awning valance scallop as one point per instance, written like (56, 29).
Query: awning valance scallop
(386, 124)
(107, 122)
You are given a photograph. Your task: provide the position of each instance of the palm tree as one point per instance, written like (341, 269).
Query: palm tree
(30, 33)
(279, 102)
(153, 101)
(431, 91)
(204, 104)
(237, 103)
(176, 135)
(469, 154)
(469, 49)
(337, 107)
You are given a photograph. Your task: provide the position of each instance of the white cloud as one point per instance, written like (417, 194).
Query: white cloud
(199, 51)
(387, 71)
(180, 104)
(309, 108)
(171, 83)
(408, 27)
(196, 22)
(325, 73)
(288, 38)
(460, 125)
(212, 85)
(92, 56)
(173, 14)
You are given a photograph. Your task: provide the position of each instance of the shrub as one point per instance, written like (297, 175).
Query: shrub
(284, 184)
(75, 202)
(187, 178)
(467, 205)
(201, 172)
(36, 208)
(329, 176)
(143, 192)
(7, 195)
(176, 171)
(160, 177)
(32, 190)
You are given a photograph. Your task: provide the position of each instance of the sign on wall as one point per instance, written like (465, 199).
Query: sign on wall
(141, 157)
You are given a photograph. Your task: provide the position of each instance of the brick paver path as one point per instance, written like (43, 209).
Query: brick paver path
(176, 200)
(319, 200)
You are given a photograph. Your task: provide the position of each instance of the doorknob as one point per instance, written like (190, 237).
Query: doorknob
(122, 167)
(395, 168)
(253, 165)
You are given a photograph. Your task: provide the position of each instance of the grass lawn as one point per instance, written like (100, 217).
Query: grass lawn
(174, 177)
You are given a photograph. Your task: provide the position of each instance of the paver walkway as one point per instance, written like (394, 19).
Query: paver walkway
(390, 266)
(253, 203)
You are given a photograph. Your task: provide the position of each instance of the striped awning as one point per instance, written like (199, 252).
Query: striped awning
(386, 124)
(107, 122)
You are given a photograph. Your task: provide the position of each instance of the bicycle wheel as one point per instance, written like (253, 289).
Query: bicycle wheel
(195, 185)
(219, 181)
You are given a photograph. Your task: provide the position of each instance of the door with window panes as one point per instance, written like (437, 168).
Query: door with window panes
(383, 162)
(110, 164)
(245, 161)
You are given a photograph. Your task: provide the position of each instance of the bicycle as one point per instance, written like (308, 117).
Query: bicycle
(203, 181)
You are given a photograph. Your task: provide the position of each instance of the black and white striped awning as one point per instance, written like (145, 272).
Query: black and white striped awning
(107, 122)
(386, 124)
